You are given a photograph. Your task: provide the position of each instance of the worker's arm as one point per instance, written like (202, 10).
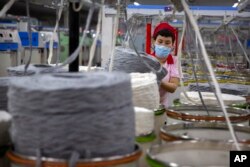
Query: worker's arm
(172, 85)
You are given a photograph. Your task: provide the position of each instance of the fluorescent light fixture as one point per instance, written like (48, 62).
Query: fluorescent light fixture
(136, 3)
(235, 5)
(173, 164)
(174, 20)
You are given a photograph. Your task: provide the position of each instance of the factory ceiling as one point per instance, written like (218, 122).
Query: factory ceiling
(44, 11)
(190, 2)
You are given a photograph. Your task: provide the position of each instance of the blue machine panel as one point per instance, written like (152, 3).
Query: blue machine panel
(55, 45)
(25, 39)
(248, 44)
(8, 46)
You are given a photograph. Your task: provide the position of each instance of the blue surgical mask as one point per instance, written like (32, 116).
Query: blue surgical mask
(162, 51)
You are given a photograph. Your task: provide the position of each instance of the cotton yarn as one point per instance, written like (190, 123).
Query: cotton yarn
(145, 90)
(210, 98)
(32, 69)
(4, 82)
(144, 121)
(83, 68)
(94, 68)
(5, 121)
(128, 61)
(89, 113)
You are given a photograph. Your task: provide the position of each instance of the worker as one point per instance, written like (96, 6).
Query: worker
(163, 46)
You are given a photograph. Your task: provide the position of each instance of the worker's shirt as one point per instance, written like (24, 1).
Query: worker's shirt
(171, 66)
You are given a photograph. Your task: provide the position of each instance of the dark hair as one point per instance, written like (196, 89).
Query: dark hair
(164, 33)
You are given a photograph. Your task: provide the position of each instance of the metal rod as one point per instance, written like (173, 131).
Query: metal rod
(73, 36)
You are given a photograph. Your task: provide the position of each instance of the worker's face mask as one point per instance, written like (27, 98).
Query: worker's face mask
(162, 51)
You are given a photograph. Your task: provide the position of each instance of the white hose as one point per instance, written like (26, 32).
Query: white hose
(79, 7)
(54, 32)
(29, 36)
(210, 69)
(238, 40)
(115, 28)
(93, 47)
(6, 7)
(74, 55)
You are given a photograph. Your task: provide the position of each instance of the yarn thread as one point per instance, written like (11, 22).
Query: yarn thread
(126, 60)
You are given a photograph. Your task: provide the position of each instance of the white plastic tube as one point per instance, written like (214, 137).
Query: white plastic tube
(93, 46)
(54, 32)
(77, 9)
(29, 35)
(115, 28)
(210, 69)
(74, 55)
(6, 7)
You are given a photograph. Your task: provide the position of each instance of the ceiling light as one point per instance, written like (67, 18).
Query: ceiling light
(174, 20)
(136, 3)
(235, 5)
(173, 164)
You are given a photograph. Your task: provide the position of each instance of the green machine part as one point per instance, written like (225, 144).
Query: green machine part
(64, 44)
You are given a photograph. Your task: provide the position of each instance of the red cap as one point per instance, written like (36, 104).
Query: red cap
(174, 31)
(164, 25)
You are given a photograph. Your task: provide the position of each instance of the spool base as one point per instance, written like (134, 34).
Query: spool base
(114, 161)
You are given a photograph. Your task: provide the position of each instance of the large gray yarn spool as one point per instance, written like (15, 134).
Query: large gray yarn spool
(128, 61)
(4, 83)
(32, 69)
(58, 114)
(19, 71)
